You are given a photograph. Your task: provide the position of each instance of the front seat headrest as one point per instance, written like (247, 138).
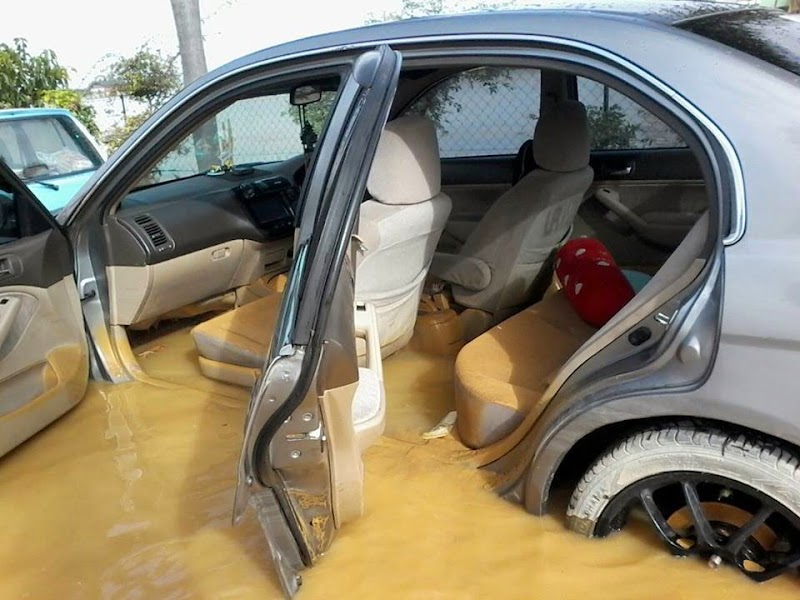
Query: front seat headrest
(561, 141)
(406, 168)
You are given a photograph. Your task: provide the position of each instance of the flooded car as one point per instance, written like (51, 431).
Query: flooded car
(557, 257)
(50, 150)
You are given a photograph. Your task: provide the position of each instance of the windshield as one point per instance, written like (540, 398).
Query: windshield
(251, 131)
(40, 148)
(770, 35)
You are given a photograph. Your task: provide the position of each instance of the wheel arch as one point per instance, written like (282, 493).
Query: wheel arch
(577, 443)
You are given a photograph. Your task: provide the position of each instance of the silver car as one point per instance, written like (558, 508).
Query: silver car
(436, 187)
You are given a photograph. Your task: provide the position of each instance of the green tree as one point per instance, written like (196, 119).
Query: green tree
(24, 78)
(610, 129)
(147, 76)
(73, 102)
(116, 136)
(28, 80)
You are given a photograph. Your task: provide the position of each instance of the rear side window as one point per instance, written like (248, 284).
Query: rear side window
(492, 111)
(487, 111)
(618, 123)
(770, 35)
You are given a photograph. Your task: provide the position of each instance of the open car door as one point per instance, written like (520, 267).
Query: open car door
(44, 367)
(313, 410)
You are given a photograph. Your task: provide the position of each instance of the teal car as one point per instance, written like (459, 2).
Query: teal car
(50, 150)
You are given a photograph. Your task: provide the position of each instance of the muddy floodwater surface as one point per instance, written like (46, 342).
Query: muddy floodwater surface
(130, 494)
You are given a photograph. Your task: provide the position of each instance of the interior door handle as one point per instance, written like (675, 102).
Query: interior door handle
(9, 309)
(624, 172)
(8, 266)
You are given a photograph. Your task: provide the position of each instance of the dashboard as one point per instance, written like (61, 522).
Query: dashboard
(186, 241)
(174, 218)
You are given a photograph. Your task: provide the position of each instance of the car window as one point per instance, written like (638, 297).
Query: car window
(258, 130)
(487, 111)
(44, 147)
(618, 123)
(770, 35)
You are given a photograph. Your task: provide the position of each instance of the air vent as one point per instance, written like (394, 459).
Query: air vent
(154, 232)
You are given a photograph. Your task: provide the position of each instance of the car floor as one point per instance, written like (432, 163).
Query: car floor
(129, 496)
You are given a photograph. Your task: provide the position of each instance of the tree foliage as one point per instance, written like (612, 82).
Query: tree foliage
(28, 80)
(147, 76)
(121, 132)
(73, 102)
(24, 78)
(610, 129)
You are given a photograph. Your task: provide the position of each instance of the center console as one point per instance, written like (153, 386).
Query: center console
(271, 202)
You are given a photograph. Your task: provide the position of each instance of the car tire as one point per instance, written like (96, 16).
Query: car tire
(684, 447)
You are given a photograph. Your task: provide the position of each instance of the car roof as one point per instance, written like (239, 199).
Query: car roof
(24, 113)
(665, 12)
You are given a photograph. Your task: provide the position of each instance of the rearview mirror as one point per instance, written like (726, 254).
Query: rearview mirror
(305, 94)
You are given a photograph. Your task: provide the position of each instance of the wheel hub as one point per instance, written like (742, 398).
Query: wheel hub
(717, 519)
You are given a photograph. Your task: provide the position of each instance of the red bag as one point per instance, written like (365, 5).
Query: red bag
(591, 280)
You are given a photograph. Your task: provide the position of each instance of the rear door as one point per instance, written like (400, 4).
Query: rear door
(300, 466)
(648, 189)
(44, 365)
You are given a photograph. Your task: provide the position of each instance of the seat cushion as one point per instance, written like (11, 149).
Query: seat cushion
(240, 336)
(502, 374)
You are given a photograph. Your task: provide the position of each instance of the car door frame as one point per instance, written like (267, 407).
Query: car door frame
(280, 445)
(83, 218)
(527, 460)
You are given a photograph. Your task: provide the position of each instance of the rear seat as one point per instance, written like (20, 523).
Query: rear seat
(501, 374)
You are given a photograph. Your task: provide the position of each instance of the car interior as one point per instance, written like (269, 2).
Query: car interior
(456, 243)
(482, 177)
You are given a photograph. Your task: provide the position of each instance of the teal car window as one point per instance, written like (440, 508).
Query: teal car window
(45, 147)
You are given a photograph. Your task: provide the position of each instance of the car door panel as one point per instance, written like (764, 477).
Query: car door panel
(301, 466)
(43, 349)
(643, 203)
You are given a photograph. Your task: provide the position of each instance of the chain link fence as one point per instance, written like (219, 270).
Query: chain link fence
(482, 112)
(618, 122)
(252, 130)
(487, 112)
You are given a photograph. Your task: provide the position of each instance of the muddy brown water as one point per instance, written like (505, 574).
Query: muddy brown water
(129, 496)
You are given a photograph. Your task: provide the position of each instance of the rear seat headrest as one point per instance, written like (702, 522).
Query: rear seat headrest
(561, 141)
(406, 168)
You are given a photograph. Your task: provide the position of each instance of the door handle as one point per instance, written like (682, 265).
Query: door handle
(8, 266)
(624, 172)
